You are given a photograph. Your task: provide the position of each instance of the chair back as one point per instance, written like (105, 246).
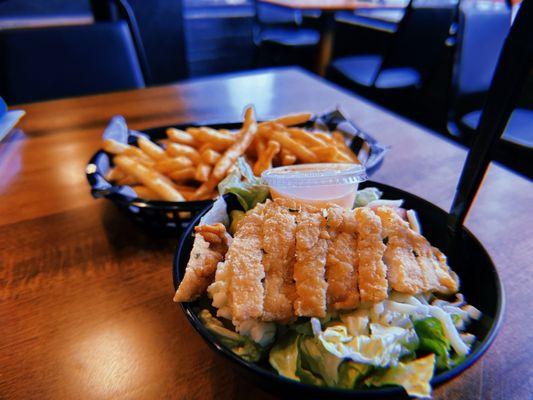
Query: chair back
(481, 34)
(45, 63)
(270, 14)
(161, 27)
(420, 38)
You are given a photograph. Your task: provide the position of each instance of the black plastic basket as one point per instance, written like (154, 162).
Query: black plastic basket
(163, 216)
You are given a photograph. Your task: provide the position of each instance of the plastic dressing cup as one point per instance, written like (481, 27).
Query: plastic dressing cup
(316, 184)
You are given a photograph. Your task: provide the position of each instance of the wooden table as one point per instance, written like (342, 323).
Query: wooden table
(86, 297)
(328, 9)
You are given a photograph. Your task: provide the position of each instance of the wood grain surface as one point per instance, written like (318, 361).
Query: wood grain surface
(86, 296)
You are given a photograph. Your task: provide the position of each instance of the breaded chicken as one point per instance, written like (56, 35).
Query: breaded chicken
(278, 243)
(200, 270)
(404, 273)
(309, 268)
(371, 271)
(341, 272)
(414, 265)
(244, 260)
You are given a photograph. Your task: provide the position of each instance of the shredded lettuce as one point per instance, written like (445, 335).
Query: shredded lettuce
(382, 348)
(367, 195)
(248, 188)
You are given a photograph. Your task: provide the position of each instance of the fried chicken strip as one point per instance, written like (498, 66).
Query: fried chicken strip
(209, 248)
(414, 265)
(244, 260)
(341, 263)
(372, 272)
(309, 268)
(278, 243)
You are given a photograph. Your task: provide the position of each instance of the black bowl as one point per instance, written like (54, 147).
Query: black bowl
(479, 283)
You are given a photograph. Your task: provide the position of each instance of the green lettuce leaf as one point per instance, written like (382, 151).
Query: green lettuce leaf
(433, 340)
(248, 188)
(319, 360)
(284, 356)
(235, 216)
(366, 195)
(238, 344)
(351, 373)
(413, 376)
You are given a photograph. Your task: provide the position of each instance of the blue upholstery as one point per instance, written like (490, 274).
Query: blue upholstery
(39, 64)
(481, 36)
(386, 21)
(411, 58)
(519, 128)
(282, 26)
(363, 69)
(290, 36)
(161, 29)
(271, 14)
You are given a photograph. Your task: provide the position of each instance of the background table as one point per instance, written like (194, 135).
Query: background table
(327, 21)
(86, 297)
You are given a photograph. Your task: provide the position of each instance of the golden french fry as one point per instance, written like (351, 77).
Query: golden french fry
(127, 180)
(287, 158)
(294, 119)
(113, 147)
(186, 191)
(343, 148)
(183, 174)
(305, 137)
(330, 154)
(337, 136)
(168, 164)
(182, 137)
(264, 161)
(151, 149)
(202, 172)
(114, 174)
(324, 137)
(177, 149)
(149, 178)
(259, 146)
(212, 136)
(204, 191)
(228, 159)
(210, 156)
(300, 151)
(145, 193)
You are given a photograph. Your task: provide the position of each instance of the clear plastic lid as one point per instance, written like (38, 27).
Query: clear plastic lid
(303, 175)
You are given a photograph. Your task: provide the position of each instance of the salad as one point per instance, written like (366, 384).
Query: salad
(343, 298)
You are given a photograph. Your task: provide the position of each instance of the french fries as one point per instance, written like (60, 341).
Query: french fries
(181, 137)
(149, 178)
(299, 150)
(264, 161)
(189, 164)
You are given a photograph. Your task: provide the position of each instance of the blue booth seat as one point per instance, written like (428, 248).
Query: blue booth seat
(365, 70)
(46, 63)
(290, 36)
(519, 129)
(282, 26)
(411, 56)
